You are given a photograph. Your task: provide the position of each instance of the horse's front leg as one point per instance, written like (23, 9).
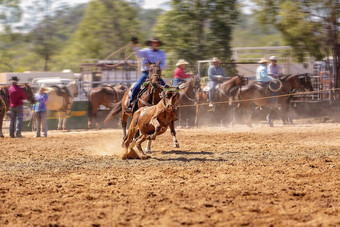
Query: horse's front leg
(124, 123)
(270, 118)
(64, 121)
(148, 147)
(173, 133)
(59, 121)
(2, 115)
(139, 142)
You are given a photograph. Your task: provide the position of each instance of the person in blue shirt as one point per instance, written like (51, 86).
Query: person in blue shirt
(262, 73)
(216, 75)
(151, 54)
(40, 110)
(263, 77)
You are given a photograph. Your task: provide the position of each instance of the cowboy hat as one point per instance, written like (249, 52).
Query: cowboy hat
(215, 59)
(154, 39)
(263, 60)
(273, 58)
(43, 87)
(182, 62)
(14, 78)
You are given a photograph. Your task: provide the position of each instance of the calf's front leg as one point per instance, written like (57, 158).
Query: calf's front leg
(173, 133)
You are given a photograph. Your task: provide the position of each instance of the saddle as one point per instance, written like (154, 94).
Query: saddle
(64, 92)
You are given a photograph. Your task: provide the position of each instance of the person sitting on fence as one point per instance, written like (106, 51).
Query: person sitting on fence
(216, 75)
(152, 55)
(273, 68)
(180, 74)
(40, 111)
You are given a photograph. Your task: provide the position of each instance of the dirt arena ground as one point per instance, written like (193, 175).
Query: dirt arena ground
(260, 176)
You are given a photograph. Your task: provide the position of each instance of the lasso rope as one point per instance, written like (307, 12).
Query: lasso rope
(267, 97)
(126, 47)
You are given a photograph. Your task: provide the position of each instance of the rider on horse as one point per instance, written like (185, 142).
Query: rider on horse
(262, 76)
(149, 55)
(180, 74)
(216, 75)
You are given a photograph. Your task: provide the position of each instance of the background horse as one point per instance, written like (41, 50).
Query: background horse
(221, 94)
(106, 96)
(256, 94)
(61, 100)
(5, 105)
(187, 96)
(151, 96)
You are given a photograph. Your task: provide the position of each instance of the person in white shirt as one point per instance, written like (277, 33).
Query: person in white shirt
(273, 68)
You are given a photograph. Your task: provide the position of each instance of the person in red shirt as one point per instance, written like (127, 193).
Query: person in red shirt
(180, 74)
(16, 97)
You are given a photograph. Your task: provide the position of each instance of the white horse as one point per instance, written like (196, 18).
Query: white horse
(61, 100)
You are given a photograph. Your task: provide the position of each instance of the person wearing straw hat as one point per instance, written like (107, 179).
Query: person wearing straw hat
(215, 75)
(40, 110)
(262, 74)
(180, 74)
(273, 68)
(151, 54)
(16, 97)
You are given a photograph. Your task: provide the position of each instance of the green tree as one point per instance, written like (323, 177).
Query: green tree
(198, 29)
(308, 26)
(107, 25)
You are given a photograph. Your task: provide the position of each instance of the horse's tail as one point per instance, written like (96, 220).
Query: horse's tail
(232, 94)
(115, 110)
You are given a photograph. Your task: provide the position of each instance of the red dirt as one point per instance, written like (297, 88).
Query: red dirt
(281, 176)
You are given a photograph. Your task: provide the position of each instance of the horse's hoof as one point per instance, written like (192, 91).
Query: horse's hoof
(147, 150)
(176, 145)
(143, 157)
(2, 136)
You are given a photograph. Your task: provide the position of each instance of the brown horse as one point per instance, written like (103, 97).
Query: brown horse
(150, 122)
(254, 93)
(5, 105)
(106, 96)
(187, 96)
(221, 95)
(151, 96)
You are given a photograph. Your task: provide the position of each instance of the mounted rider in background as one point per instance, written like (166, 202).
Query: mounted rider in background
(216, 75)
(273, 68)
(150, 55)
(180, 75)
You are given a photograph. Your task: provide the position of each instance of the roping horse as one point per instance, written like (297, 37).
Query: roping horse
(221, 94)
(4, 101)
(256, 94)
(61, 100)
(187, 98)
(106, 96)
(150, 121)
(151, 96)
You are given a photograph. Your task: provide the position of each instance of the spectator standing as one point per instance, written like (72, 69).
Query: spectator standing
(40, 111)
(16, 97)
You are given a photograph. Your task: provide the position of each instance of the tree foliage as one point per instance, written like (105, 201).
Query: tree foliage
(107, 25)
(308, 26)
(197, 29)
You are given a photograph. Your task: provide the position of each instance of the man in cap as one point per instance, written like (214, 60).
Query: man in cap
(40, 110)
(16, 97)
(180, 74)
(216, 75)
(151, 54)
(273, 68)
